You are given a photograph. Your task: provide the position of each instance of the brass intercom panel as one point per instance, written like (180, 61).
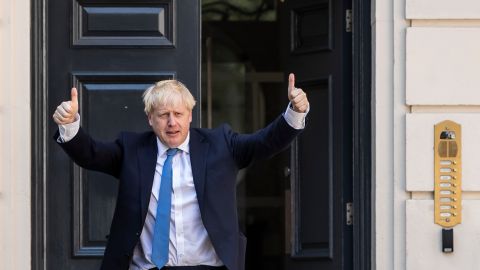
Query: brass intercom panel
(448, 174)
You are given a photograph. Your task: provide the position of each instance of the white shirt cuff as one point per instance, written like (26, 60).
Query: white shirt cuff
(295, 119)
(68, 131)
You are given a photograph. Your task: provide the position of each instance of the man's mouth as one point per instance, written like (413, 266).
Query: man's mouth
(172, 133)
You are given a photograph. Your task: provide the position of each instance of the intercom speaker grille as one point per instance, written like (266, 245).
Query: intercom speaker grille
(452, 149)
(442, 149)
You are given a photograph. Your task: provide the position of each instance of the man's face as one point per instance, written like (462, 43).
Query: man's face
(171, 123)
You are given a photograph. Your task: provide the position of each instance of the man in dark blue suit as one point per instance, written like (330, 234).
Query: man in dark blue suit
(176, 205)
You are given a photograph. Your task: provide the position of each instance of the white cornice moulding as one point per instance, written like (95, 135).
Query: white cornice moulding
(442, 9)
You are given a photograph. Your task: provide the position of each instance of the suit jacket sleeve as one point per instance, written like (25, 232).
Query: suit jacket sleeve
(262, 144)
(94, 155)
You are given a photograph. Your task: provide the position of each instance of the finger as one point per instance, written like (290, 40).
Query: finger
(299, 99)
(66, 106)
(55, 118)
(298, 96)
(58, 118)
(61, 111)
(301, 107)
(296, 92)
(299, 104)
(74, 96)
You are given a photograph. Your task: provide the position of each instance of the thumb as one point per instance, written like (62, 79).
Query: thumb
(291, 83)
(292, 91)
(74, 96)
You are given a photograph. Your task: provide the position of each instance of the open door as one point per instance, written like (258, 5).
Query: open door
(293, 207)
(319, 52)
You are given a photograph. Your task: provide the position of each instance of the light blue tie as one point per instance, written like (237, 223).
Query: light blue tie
(162, 221)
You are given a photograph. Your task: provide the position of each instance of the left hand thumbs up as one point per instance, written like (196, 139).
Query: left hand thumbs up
(297, 97)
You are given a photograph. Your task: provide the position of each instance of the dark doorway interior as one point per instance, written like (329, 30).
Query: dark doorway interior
(242, 84)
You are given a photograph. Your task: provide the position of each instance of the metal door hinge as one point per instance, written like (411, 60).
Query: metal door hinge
(348, 20)
(349, 213)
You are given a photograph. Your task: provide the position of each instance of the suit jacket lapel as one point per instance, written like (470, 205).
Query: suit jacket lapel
(147, 159)
(198, 153)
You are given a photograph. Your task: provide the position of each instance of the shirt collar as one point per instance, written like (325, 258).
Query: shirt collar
(162, 148)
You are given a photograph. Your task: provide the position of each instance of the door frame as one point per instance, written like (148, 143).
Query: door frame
(362, 135)
(39, 128)
(362, 140)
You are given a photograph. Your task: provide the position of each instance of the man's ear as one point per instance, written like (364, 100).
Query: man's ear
(150, 122)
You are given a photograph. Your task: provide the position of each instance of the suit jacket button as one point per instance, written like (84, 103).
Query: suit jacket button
(137, 234)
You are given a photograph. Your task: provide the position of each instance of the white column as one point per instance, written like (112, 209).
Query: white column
(383, 134)
(15, 153)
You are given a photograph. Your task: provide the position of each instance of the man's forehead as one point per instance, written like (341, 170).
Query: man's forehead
(178, 106)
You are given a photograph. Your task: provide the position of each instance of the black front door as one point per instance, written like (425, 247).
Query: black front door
(111, 51)
(319, 52)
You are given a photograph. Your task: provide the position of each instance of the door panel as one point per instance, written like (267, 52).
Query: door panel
(319, 53)
(111, 51)
(109, 102)
(312, 177)
(123, 23)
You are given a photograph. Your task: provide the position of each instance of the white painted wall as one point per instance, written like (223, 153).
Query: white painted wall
(382, 125)
(15, 155)
(389, 110)
(426, 69)
(443, 65)
(424, 246)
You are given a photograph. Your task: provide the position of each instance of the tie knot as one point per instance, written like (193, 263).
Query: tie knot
(172, 151)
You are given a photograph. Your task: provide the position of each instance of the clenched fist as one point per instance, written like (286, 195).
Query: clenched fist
(297, 97)
(67, 111)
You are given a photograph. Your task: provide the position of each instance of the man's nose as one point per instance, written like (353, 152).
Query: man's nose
(171, 120)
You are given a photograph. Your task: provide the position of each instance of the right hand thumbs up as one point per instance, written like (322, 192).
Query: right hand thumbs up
(66, 112)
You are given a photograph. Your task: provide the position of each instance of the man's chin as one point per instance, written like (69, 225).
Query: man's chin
(174, 143)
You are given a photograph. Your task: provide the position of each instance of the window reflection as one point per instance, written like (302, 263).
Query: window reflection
(239, 10)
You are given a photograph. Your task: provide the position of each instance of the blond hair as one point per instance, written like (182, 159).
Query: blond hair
(167, 92)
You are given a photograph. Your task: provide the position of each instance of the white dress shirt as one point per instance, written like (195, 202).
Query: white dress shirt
(189, 241)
